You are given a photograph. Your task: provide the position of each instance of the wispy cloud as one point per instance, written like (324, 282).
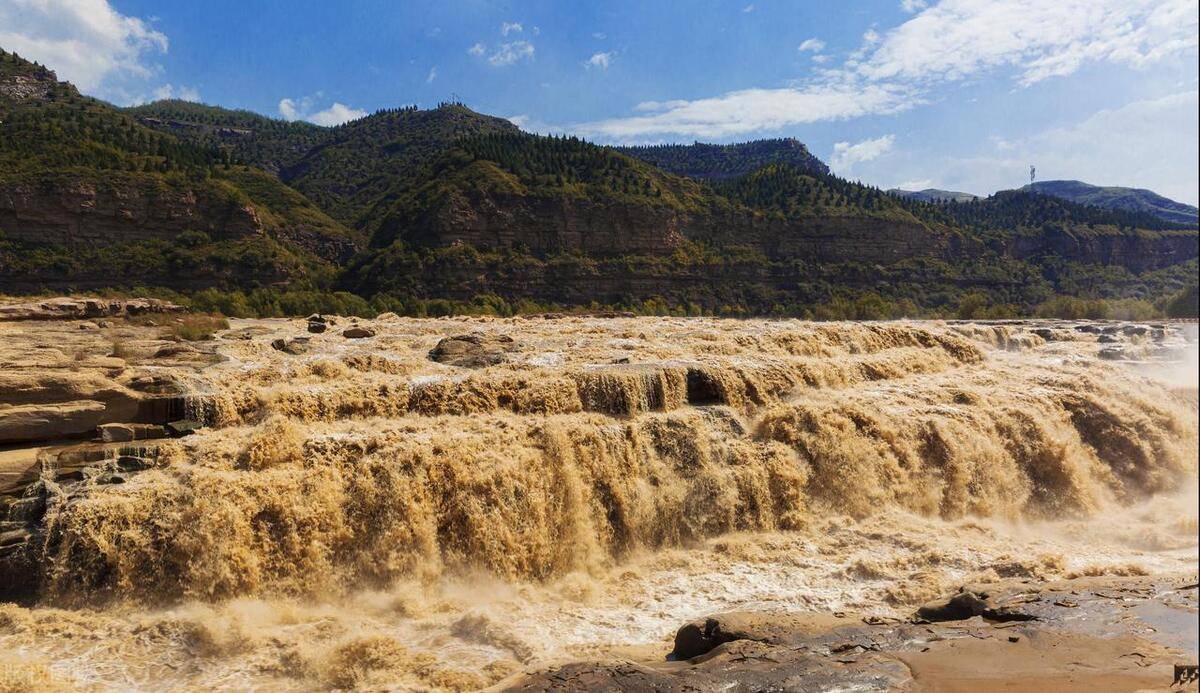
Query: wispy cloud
(477, 49)
(600, 61)
(301, 109)
(846, 155)
(511, 53)
(748, 8)
(814, 45)
(1151, 143)
(511, 28)
(951, 41)
(432, 75)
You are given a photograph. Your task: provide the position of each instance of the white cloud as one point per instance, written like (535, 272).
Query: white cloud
(750, 110)
(290, 109)
(511, 28)
(960, 38)
(846, 155)
(599, 60)
(168, 91)
(432, 75)
(915, 185)
(814, 45)
(336, 115)
(301, 109)
(86, 42)
(911, 6)
(477, 49)
(748, 8)
(511, 53)
(599, 35)
(949, 42)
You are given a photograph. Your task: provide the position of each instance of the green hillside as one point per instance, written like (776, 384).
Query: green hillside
(170, 210)
(447, 210)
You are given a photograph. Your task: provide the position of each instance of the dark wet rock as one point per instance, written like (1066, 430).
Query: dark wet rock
(1045, 333)
(1088, 329)
(1107, 339)
(358, 332)
(186, 427)
(475, 350)
(1112, 353)
(131, 463)
(969, 603)
(1134, 330)
(317, 323)
(294, 346)
(964, 605)
(703, 635)
(174, 350)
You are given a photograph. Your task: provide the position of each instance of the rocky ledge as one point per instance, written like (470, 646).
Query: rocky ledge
(71, 308)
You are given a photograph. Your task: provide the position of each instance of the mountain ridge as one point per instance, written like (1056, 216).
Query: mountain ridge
(407, 206)
(1119, 198)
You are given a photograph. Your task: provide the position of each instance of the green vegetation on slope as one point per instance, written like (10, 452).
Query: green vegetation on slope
(242, 136)
(57, 145)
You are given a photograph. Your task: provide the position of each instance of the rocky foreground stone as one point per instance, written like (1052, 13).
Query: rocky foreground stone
(1110, 633)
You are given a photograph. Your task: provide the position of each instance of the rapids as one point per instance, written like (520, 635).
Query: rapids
(359, 515)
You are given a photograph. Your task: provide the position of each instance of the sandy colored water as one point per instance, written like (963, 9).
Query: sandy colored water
(361, 516)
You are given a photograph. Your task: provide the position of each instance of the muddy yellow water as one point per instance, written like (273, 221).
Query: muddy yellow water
(358, 515)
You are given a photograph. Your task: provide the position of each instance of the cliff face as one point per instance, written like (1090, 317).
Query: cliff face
(546, 226)
(1137, 252)
(75, 211)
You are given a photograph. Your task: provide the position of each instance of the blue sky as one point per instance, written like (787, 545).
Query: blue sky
(959, 94)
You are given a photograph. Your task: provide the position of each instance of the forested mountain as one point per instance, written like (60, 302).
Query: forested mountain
(934, 195)
(90, 195)
(1117, 198)
(411, 208)
(246, 137)
(1018, 210)
(716, 161)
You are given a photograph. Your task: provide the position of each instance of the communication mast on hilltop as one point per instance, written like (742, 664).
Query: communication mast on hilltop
(1032, 173)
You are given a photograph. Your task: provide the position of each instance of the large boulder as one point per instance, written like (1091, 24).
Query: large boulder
(968, 603)
(294, 346)
(474, 350)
